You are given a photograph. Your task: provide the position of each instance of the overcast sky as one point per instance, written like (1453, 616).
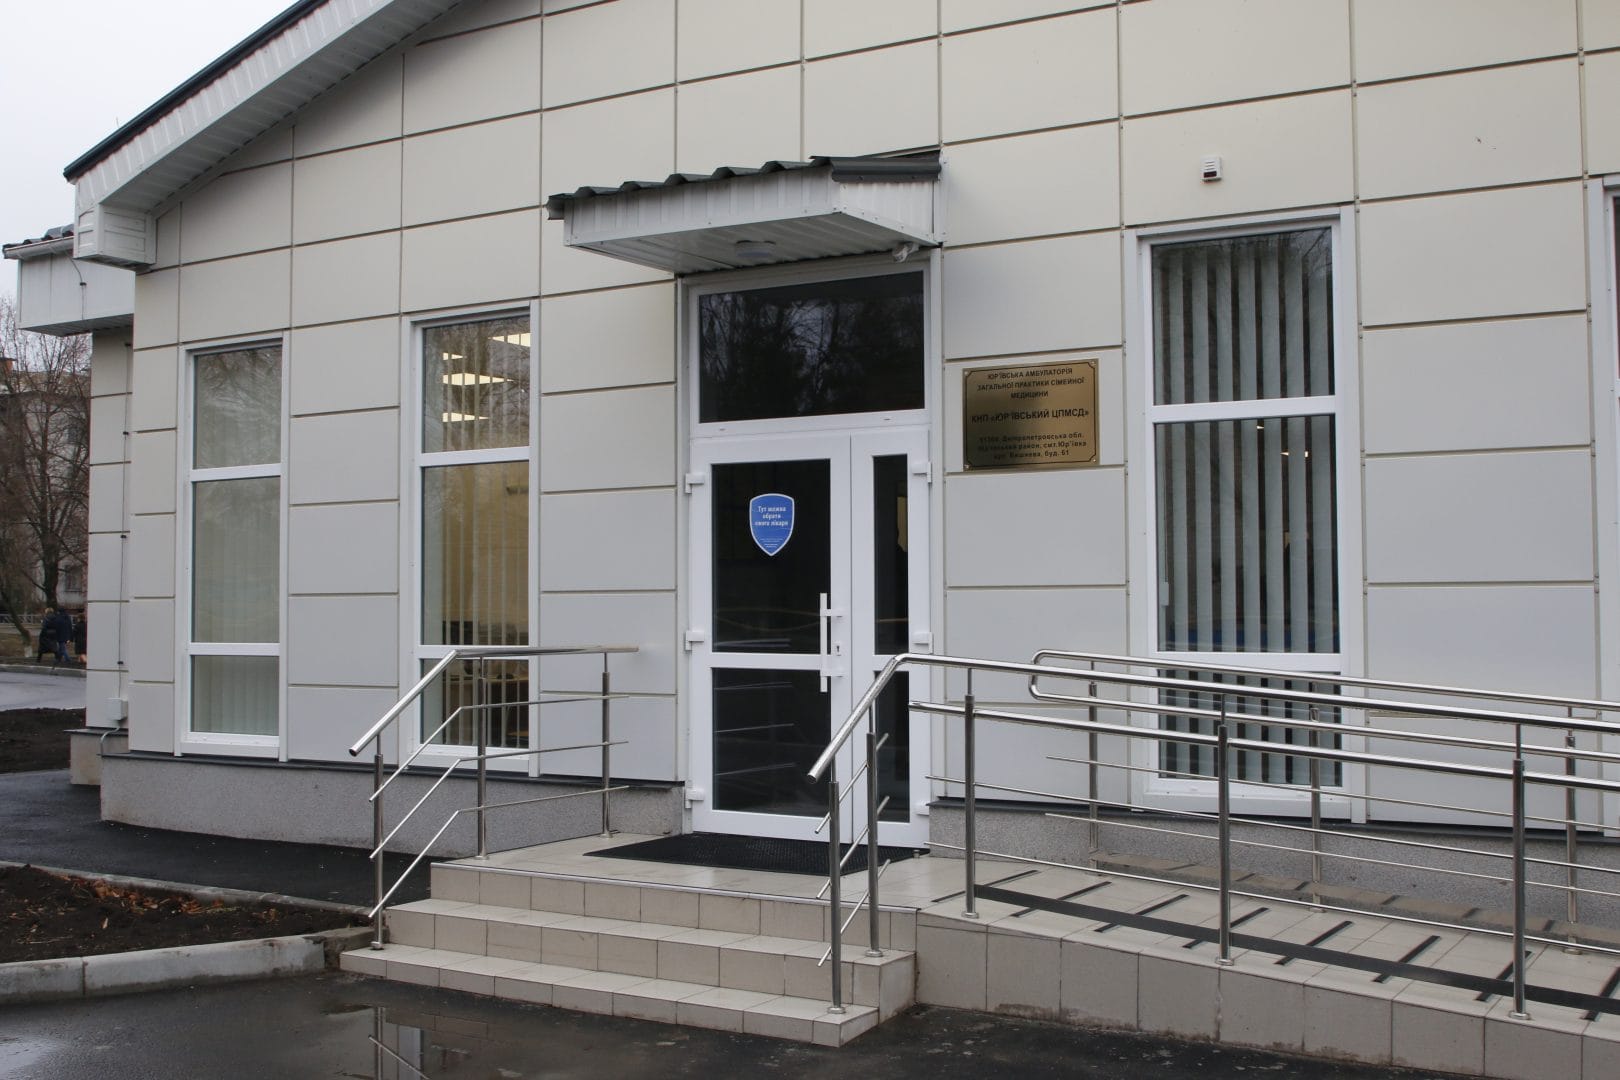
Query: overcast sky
(72, 71)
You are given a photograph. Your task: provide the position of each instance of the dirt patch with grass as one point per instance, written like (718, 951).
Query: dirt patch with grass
(35, 739)
(44, 916)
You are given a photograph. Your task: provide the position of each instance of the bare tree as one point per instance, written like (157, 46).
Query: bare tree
(44, 461)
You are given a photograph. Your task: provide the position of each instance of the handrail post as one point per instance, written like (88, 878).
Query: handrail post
(378, 933)
(969, 838)
(835, 904)
(1095, 840)
(481, 697)
(1316, 816)
(872, 935)
(1224, 785)
(607, 748)
(1519, 1012)
(1571, 846)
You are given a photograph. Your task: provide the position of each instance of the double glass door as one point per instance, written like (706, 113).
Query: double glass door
(810, 564)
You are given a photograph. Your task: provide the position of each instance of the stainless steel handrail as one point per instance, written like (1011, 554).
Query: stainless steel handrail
(1225, 746)
(482, 707)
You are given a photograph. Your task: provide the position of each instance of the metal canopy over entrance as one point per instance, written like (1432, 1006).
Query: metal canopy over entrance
(783, 211)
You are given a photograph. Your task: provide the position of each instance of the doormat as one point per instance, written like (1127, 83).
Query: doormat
(748, 853)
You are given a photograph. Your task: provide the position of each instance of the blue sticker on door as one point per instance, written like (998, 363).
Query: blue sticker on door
(770, 521)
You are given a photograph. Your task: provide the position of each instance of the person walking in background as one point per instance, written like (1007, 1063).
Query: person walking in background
(59, 626)
(81, 635)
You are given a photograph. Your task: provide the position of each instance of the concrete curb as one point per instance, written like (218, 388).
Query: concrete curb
(45, 669)
(183, 965)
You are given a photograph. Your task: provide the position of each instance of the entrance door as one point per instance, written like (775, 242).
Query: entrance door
(809, 570)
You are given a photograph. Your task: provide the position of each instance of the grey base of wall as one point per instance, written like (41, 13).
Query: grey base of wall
(316, 804)
(86, 747)
(1032, 834)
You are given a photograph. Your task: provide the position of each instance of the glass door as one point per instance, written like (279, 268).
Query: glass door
(802, 588)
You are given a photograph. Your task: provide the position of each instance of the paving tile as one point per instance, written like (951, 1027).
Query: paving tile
(1098, 983)
(720, 1008)
(592, 992)
(653, 999)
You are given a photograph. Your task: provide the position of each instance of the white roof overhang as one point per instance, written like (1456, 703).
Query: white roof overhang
(781, 212)
(57, 294)
(308, 49)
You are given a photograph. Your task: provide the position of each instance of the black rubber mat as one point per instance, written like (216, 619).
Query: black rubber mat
(748, 853)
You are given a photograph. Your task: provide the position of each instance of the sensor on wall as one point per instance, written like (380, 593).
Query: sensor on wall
(1212, 168)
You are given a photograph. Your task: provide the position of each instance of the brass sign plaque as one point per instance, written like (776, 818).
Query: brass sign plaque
(1040, 414)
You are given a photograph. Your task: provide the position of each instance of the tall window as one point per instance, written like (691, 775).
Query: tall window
(236, 542)
(1243, 421)
(475, 516)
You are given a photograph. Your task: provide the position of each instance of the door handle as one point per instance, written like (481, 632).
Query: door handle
(829, 646)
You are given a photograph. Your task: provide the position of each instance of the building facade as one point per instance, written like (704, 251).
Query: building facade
(1275, 330)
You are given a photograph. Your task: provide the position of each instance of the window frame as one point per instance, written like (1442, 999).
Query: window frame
(1143, 414)
(186, 648)
(415, 463)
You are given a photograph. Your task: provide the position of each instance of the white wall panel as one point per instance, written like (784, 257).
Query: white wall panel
(157, 308)
(741, 120)
(150, 644)
(472, 77)
(1508, 252)
(104, 580)
(107, 429)
(485, 13)
(1176, 53)
(346, 279)
(611, 540)
(1398, 37)
(245, 295)
(1030, 75)
(151, 717)
(647, 726)
(151, 556)
(237, 213)
(477, 261)
(1032, 185)
(347, 457)
(607, 142)
(168, 238)
(1477, 129)
(107, 498)
(323, 721)
(342, 640)
(346, 193)
(841, 25)
(479, 169)
(109, 361)
(344, 366)
(1033, 296)
(1480, 517)
(1013, 624)
(1056, 527)
(1603, 112)
(363, 108)
(343, 548)
(621, 338)
(840, 96)
(151, 474)
(154, 396)
(614, 438)
(645, 620)
(267, 149)
(608, 49)
(1600, 24)
(1537, 638)
(1470, 386)
(713, 37)
(967, 14)
(1276, 154)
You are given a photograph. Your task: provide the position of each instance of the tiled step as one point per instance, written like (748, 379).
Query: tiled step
(612, 993)
(757, 963)
(699, 908)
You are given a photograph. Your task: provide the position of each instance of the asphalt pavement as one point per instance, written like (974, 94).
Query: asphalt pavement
(30, 690)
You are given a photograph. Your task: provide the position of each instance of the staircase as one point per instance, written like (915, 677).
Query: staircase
(673, 952)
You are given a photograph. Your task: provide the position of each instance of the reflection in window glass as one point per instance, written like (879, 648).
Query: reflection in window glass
(475, 554)
(475, 389)
(234, 695)
(237, 404)
(236, 560)
(847, 346)
(503, 710)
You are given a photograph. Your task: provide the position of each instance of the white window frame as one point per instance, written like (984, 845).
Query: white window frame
(1603, 276)
(1148, 789)
(222, 743)
(416, 462)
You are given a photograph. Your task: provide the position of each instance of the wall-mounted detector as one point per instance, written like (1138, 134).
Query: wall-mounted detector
(1212, 168)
